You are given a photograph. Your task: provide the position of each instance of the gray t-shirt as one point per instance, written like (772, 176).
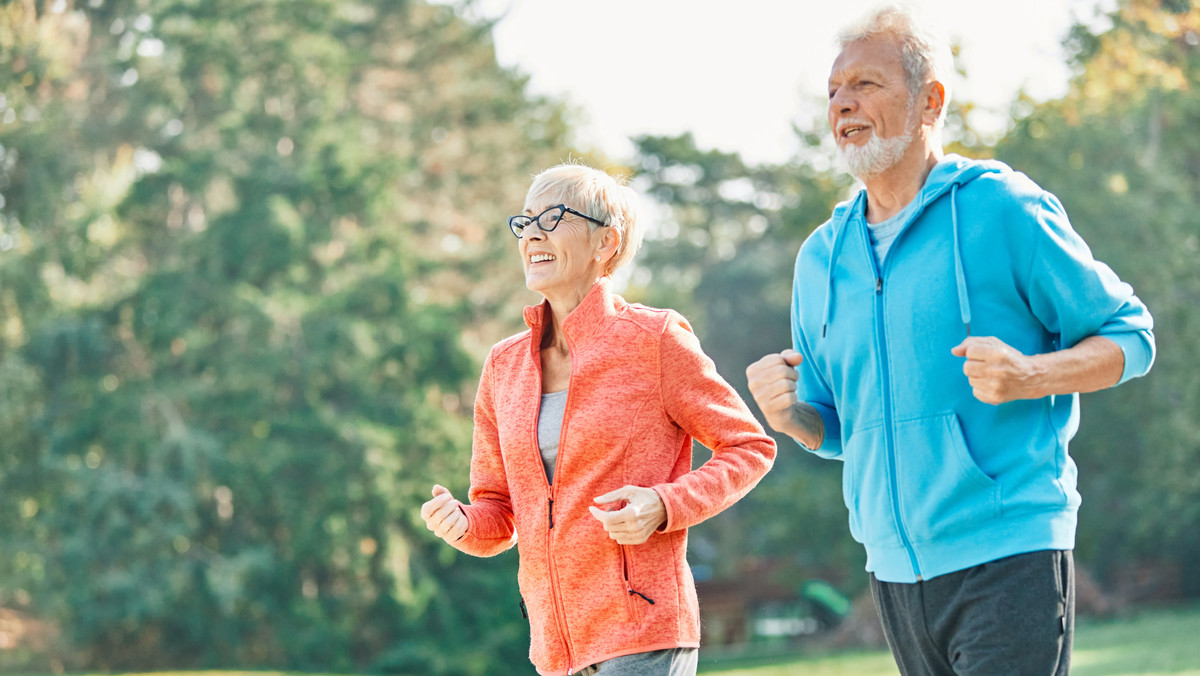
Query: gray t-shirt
(550, 419)
(883, 232)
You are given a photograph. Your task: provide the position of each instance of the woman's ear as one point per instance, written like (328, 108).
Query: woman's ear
(610, 242)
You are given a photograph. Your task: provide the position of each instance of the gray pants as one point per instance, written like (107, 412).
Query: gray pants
(1013, 616)
(677, 662)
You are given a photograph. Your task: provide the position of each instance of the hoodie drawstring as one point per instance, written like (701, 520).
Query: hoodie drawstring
(960, 277)
(964, 304)
(839, 237)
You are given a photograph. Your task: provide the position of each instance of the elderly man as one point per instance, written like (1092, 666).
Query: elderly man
(944, 320)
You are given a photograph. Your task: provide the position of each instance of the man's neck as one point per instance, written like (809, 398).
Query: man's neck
(891, 190)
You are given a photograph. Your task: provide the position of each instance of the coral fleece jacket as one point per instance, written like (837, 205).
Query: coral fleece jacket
(641, 389)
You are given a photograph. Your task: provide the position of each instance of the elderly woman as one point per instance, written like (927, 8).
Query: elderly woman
(582, 451)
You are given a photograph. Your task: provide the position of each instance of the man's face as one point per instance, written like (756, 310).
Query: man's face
(870, 108)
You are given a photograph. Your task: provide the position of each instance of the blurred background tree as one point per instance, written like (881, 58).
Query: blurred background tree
(1120, 152)
(246, 246)
(252, 253)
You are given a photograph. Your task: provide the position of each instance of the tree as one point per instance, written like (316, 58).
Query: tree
(239, 242)
(1119, 151)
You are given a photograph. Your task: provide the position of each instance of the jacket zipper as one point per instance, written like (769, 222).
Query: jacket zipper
(559, 610)
(889, 415)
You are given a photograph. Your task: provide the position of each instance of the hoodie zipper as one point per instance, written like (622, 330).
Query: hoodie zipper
(888, 413)
(839, 237)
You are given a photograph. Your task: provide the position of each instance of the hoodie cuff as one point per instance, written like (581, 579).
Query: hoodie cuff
(1138, 349)
(831, 443)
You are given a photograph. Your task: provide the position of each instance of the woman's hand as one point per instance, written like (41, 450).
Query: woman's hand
(444, 516)
(637, 520)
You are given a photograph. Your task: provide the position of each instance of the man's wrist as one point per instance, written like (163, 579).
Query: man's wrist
(811, 424)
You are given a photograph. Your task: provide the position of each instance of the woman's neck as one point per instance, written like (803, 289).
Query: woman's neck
(553, 337)
(561, 305)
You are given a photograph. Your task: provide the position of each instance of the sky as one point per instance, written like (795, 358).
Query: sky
(739, 74)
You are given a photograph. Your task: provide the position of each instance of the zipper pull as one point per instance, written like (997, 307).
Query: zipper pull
(550, 512)
(878, 284)
(644, 597)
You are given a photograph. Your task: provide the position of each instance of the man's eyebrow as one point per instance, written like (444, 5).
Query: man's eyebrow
(858, 73)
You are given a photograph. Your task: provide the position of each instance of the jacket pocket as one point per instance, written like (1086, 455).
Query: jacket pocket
(942, 490)
(635, 599)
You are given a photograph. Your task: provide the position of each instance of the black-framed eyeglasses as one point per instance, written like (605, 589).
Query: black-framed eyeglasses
(548, 220)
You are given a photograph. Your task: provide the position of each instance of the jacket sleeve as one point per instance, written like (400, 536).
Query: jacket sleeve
(1075, 296)
(811, 387)
(699, 400)
(490, 528)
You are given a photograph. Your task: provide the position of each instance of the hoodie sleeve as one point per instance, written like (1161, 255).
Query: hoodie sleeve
(1075, 296)
(811, 388)
(705, 406)
(490, 528)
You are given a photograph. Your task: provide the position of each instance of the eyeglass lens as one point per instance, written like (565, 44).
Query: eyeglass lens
(547, 221)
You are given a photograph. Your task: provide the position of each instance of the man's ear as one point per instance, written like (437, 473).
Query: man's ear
(935, 100)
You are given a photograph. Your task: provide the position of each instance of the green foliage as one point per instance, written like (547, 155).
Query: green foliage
(235, 239)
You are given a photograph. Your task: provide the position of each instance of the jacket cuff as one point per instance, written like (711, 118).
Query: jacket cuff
(476, 545)
(667, 525)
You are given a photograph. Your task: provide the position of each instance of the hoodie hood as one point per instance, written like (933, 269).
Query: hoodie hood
(951, 172)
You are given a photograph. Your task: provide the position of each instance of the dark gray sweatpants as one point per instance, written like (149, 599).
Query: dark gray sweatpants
(1013, 617)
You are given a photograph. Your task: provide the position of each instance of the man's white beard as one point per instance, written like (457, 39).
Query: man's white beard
(873, 157)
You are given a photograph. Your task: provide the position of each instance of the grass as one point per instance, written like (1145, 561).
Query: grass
(1153, 643)
(1150, 643)
(1162, 642)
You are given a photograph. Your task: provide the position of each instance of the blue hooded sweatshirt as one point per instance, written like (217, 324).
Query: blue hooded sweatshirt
(934, 479)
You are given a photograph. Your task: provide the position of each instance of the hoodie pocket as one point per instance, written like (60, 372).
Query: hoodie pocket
(942, 490)
(866, 488)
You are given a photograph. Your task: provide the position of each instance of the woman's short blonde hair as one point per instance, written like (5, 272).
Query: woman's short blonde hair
(598, 194)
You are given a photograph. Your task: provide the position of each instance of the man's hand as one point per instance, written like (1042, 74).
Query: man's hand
(998, 373)
(444, 516)
(772, 382)
(634, 523)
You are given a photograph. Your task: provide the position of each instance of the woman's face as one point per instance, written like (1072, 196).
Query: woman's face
(562, 262)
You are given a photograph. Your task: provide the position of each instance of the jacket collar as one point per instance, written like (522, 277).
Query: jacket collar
(594, 312)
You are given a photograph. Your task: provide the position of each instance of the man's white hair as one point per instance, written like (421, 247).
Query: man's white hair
(925, 55)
